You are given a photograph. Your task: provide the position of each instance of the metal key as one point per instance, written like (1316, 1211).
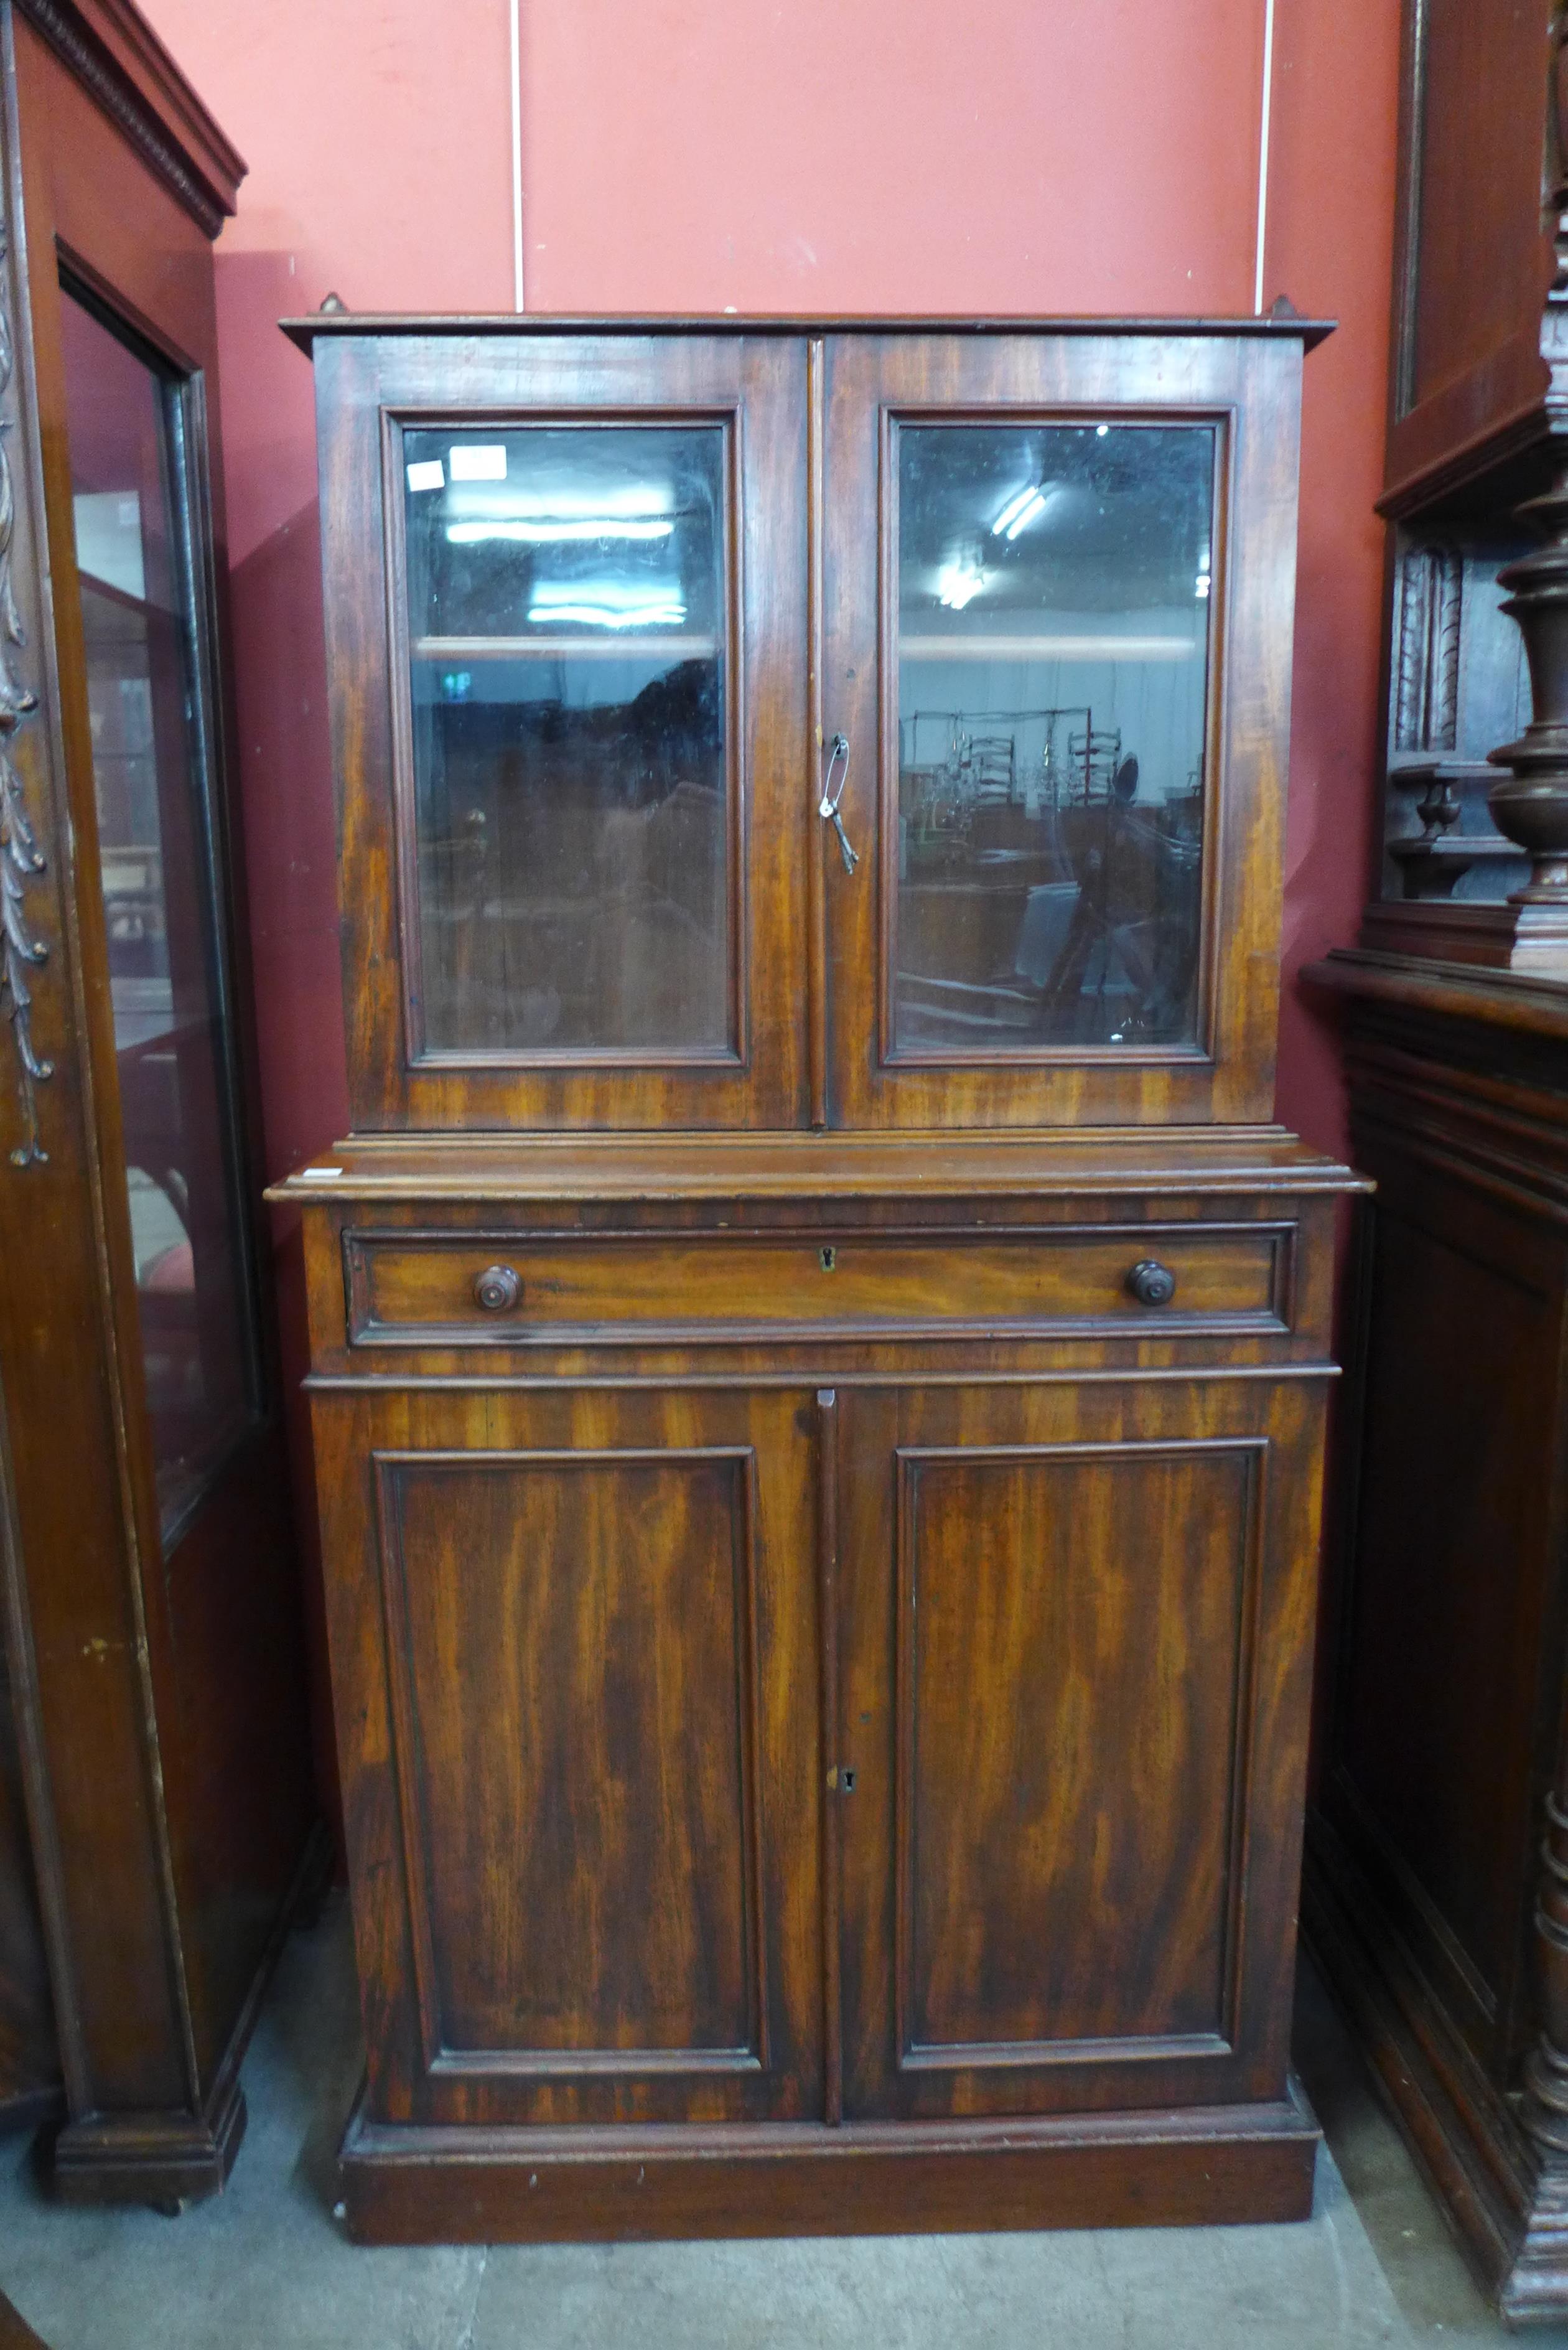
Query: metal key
(828, 805)
(851, 857)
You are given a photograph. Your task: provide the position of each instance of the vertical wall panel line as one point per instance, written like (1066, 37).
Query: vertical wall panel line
(1263, 234)
(517, 301)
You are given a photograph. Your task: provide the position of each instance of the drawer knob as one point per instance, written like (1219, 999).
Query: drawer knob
(1151, 1283)
(497, 1289)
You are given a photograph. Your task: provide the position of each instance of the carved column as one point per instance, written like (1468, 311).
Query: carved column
(1544, 2109)
(1531, 807)
(1531, 804)
(1534, 2284)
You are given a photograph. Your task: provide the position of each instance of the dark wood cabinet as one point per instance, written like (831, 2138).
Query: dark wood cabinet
(817, 1352)
(30, 2084)
(1475, 807)
(150, 1612)
(1433, 1892)
(1435, 1844)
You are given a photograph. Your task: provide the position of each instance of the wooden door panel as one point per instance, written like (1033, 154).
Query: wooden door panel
(1067, 1623)
(1056, 1667)
(594, 1824)
(599, 1605)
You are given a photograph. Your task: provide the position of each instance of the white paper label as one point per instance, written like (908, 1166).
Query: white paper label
(320, 1174)
(483, 462)
(427, 474)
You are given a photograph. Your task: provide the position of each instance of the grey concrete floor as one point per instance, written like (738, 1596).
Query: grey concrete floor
(265, 2265)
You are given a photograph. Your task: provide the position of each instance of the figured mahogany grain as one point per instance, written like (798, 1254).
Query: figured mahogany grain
(596, 1291)
(1072, 1665)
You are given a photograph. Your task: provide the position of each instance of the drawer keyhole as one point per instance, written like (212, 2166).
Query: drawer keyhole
(827, 1258)
(1151, 1283)
(497, 1289)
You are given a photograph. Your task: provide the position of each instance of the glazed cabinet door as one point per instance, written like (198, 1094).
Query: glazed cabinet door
(1057, 580)
(1074, 1630)
(575, 1673)
(566, 605)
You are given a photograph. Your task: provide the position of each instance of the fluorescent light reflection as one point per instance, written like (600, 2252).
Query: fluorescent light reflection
(1032, 513)
(960, 581)
(1015, 509)
(609, 605)
(545, 532)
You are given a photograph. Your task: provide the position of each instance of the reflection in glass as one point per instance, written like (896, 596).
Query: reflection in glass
(1053, 600)
(124, 423)
(565, 610)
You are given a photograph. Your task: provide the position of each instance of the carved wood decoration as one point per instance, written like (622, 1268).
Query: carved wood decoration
(1478, 412)
(21, 858)
(1431, 582)
(1531, 807)
(114, 55)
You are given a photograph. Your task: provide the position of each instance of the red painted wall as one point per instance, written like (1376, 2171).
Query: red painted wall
(840, 155)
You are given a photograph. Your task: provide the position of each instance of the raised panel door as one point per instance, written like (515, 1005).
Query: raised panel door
(1074, 1632)
(597, 1621)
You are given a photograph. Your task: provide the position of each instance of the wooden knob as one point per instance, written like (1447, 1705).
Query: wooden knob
(497, 1289)
(1151, 1283)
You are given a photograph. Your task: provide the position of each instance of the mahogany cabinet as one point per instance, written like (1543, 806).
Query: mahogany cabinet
(818, 1353)
(154, 1672)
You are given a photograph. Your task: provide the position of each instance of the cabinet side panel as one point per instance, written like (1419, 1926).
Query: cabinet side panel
(1433, 1748)
(1475, 185)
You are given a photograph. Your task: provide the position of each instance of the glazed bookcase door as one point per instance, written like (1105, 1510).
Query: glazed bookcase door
(1074, 1627)
(571, 741)
(1056, 609)
(149, 679)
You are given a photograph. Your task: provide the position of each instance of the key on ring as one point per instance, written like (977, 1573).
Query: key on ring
(851, 857)
(828, 805)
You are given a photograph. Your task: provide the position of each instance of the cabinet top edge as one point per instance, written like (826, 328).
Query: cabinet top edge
(651, 1167)
(1528, 1002)
(334, 325)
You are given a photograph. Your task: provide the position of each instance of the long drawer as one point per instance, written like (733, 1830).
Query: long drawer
(434, 1288)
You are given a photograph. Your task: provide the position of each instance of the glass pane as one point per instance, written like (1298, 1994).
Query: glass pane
(197, 1346)
(1053, 628)
(566, 616)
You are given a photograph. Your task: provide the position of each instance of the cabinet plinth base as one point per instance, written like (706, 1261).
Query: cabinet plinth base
(408, 2184)
(1507, 2209)
(164, 2159)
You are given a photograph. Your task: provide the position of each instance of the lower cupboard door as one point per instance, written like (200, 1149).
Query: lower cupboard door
(1075, 1631)
(576, 1670)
